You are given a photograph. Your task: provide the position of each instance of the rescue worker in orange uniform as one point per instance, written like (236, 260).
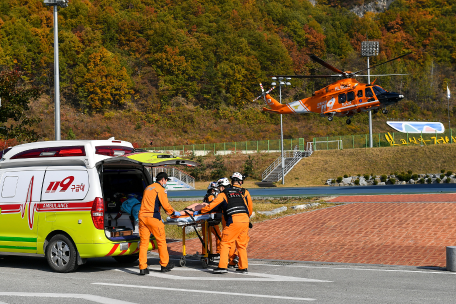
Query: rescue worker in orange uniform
(212, 192)
(236, 205)
(150, 221)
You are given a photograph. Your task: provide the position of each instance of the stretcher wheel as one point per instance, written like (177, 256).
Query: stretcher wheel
(204, 263)
(182, 262)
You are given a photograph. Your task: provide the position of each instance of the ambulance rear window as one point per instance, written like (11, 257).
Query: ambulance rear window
(51, 152)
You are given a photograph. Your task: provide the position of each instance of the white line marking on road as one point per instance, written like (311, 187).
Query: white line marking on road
(354, 268)
(87, 297)
(3, 303)
(208, 291)
(249, 277)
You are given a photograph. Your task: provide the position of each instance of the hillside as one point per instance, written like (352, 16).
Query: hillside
(179, 72)
(322, 165)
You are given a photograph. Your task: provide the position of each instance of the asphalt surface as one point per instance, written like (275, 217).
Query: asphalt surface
(331, 191)
(29, 280)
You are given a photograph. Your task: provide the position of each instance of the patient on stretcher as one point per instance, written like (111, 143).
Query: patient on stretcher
(185, 214)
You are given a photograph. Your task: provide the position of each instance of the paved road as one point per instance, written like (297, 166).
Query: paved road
(333, 191)
(29, 280)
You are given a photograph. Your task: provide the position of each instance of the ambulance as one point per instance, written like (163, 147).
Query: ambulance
(61, 199)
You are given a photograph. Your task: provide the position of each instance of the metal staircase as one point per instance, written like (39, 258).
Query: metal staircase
(291, 158)
(179, 180)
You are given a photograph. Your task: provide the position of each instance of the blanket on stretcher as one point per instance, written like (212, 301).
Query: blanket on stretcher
(185, 218)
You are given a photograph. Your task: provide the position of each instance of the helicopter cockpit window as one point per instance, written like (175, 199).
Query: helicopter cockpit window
(342, 98)
(360, 93)
(350, 96)
(369, 92)
(378, 90)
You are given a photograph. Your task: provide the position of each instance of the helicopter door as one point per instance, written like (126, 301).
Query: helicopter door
(350, 96)
(359, 94)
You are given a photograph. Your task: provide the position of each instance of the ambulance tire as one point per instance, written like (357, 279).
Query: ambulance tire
(61, 254)
(126, 259)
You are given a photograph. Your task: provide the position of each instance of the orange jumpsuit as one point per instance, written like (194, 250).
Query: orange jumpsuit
(215, 230)
(236, 232)
(150, 221)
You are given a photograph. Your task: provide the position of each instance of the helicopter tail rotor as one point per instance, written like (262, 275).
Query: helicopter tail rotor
(263, 93)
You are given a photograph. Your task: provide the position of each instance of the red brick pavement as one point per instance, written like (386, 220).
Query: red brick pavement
(399, 198)
(414, 234)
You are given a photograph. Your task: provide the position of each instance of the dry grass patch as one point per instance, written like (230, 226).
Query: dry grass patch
(174, 232)
(322, 165)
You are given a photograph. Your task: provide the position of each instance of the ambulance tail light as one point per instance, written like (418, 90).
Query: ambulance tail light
(98, 213)
(113, 150)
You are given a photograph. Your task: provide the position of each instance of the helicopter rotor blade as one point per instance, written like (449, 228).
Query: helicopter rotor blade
(263, 94)
(325, 64)
(309, 76)
(374, 66)
(382, 75)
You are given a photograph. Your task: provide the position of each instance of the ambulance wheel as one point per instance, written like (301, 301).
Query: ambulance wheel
(348, 121)
(330, 118)
(182, 262)
(126, 259)
(204, 263)
(385, 111)
(61, 254)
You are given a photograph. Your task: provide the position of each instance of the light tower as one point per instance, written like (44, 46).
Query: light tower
(281, 83)
(55, 4)
(369, 49)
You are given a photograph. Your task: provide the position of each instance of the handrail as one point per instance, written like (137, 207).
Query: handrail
(295, 156)
(174, 172)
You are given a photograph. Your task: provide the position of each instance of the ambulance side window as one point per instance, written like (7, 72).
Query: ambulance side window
(9, 186)
(350, 96)
(369, 92)
(342, 98)
(360, 93)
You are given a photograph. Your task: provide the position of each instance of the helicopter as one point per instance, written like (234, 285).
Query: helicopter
(343, 98)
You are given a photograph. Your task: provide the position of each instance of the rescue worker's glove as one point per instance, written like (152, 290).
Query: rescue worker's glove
(176, 213)
(195, 213)
(250, 225)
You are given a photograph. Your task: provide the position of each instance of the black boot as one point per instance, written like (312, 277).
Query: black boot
(144, 271)
(167, 268)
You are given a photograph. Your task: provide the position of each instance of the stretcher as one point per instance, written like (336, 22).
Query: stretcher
(204, 220)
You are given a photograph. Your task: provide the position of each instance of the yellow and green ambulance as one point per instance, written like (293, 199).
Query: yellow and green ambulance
(62, 199)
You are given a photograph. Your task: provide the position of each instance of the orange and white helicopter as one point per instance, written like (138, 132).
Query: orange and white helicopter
(345, 97)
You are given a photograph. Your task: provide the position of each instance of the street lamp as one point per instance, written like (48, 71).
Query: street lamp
(281, 83)
(369, 49)
(55, 4)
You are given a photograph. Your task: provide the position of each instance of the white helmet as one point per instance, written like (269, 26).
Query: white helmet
(237, 176)
(223, 182)
(212, 185)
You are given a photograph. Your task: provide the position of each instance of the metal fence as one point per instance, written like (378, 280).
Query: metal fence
(246, 147)
(174, 172)
(383, 140)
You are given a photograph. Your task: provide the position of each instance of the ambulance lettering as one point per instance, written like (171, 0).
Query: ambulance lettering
(64, 184)
(29, 205)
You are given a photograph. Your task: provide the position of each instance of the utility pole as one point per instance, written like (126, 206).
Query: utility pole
(55, 4)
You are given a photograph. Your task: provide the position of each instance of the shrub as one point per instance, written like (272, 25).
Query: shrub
(383, 178)
(345, 175)
(396, 173)
(415, 176)
(422, 181)
(393, 180)
(357, 182)
(442, 171)
(339, 179)
(449, 173)
(429, 181)
(375, 182)
(438, 180)
(248, 166)
(442, 176)
(407, 177)
(366, 176)
(447, 181)
(218, 168)
(359, 175)
(410, 172)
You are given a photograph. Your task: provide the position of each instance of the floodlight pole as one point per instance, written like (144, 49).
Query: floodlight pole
(280, 79)
(368, 49)
(56, 77)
